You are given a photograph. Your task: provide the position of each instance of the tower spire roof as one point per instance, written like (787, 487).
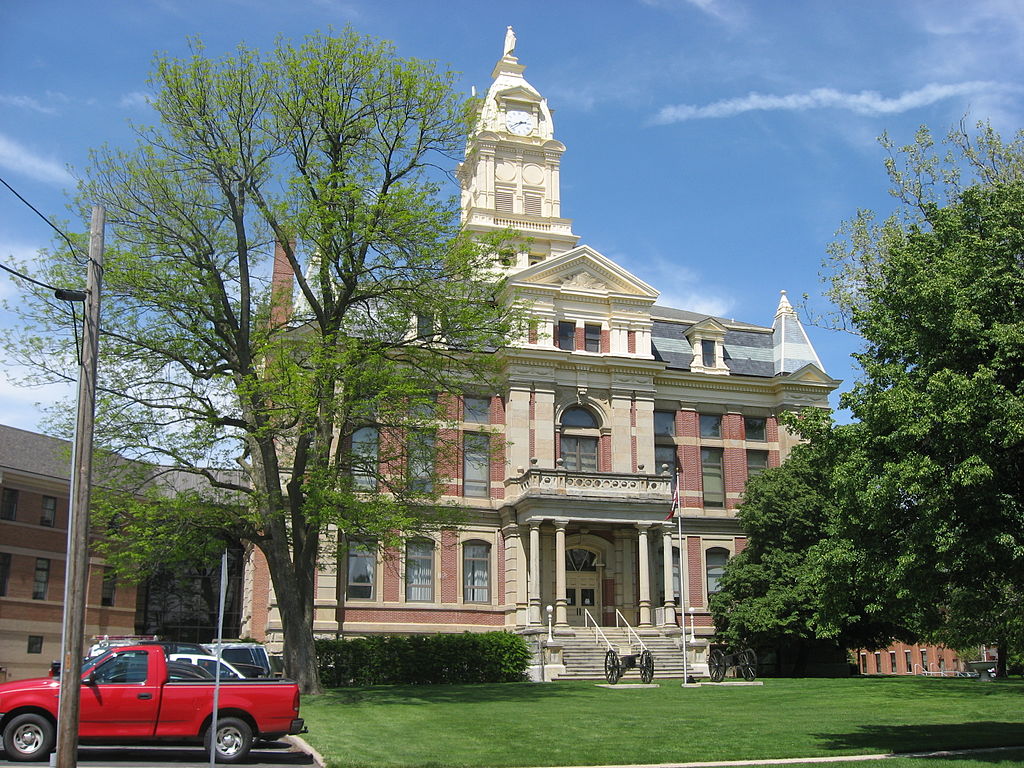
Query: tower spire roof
(791, 347)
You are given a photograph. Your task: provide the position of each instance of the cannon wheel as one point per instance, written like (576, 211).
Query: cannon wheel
(716, 665)
(747, 664)
(646, 667)
(612, 667)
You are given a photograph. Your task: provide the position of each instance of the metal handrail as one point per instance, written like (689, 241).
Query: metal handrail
(598, 634)
(629, 630)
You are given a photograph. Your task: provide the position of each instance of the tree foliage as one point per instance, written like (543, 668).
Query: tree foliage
(931, 507)
(330, 149)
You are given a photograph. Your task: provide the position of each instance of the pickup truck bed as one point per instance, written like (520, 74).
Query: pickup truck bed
(128, 696)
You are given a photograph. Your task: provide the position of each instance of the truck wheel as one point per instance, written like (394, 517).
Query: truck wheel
(29, 737)
(233, 741)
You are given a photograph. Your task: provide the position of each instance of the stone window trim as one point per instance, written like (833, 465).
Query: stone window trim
(477, 553)
(715, 558)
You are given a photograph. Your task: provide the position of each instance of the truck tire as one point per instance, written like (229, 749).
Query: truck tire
(29, 737)
(233, 741)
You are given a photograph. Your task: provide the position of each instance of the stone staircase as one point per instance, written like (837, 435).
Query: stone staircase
(583, 656)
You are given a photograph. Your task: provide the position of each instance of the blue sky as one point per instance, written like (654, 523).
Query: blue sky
(714, 146)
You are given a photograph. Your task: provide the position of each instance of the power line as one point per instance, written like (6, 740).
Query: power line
(41, 216)
(66, 294)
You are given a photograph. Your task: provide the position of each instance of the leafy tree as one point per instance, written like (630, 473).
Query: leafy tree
(330, 149)
(932, 509)
(771, 596)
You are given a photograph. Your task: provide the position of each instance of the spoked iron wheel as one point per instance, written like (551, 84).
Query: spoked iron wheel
(646, 667)
(612, 669)
(747, 664)
(716, 665)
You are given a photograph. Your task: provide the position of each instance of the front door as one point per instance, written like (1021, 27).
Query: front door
(582, 587)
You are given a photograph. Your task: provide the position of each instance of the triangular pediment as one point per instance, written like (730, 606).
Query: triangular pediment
(811, 374)
(707, 326)
(583, 270)
(518, 93)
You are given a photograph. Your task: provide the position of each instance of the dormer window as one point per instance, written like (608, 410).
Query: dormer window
(707, 353)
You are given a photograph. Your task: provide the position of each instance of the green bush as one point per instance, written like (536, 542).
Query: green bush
(472, 657)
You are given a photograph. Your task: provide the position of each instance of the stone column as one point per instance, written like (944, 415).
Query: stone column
(560, 617)
(670, 603)
(534, 598)
(643, 550)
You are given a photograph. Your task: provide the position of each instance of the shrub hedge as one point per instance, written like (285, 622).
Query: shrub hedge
(471, 657)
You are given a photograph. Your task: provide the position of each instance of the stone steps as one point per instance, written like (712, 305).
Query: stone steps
(584, 657)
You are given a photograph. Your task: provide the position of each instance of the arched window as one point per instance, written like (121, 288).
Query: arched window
(578, 440)
(715, 560)
(476, 572)
(419, 571)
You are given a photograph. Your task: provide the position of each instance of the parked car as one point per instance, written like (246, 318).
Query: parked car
(208, 663)
(247, 657)
(133, 694)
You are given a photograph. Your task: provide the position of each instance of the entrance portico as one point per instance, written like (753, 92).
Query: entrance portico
(592, 542)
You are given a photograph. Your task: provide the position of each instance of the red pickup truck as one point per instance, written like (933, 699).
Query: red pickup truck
(132, 695)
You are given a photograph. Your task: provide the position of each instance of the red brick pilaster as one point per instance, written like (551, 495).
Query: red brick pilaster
(631, 342)
(695, 571)
(449, 567)
(604, 449)
(581, 337)
(740, 543)
(498, 469)
(606, 341)
(499, 598)
(497, 414)
(391, 575)
(632, 433)
(449, 463)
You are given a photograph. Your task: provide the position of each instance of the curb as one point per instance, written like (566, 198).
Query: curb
(813, 760)
(304, 746)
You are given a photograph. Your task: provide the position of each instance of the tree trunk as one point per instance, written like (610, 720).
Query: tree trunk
(293, 589)
(1001, 653)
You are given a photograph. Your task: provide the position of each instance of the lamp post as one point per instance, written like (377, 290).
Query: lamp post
(693, 627)
(549, 610)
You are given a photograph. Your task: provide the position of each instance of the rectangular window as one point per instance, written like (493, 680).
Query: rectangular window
(757, 462)
(476, 410)
(476, 572)
(710, 425)
(476, 465)
(365, 450)
(49, 513)
(707, 353)
(592, 337)
(9, 504)
(35, 644)
(419, 571)
(579, 454)
(421, 450)
(5, 571)
(664, 423)
(753, 428)
(533, 204)
(924, 660)
(878, 662)
(109, 587)
(362, 563)
(892, 662)
(425, 326)
(665, 459)
(566, 335)
(907, 662)
(503, 199)
(41, 580)
(714, 481)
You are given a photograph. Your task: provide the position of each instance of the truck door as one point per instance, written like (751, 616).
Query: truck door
(121, 698)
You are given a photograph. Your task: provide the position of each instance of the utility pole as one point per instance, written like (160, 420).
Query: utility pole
(76, 577)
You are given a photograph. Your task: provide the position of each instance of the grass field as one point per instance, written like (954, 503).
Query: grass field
(577, 723)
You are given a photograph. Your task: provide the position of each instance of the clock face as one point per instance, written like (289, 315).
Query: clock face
(519, 122)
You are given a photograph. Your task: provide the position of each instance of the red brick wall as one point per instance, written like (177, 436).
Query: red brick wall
(604, 449)
(606, 341)
(631, 341)
(497, 414)
(581, 338)
(632, 434)
(449, 566)
(391, 575)
(734, 459)
(441, 617)
(740, 543)
(533, 428)
(499, 558)
(449, 464)
(497, 468)
(695, 570)
(691, 485)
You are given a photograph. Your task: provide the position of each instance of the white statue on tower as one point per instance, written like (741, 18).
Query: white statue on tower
(510, 41)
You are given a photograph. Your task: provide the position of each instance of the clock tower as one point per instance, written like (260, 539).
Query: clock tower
(510, 177)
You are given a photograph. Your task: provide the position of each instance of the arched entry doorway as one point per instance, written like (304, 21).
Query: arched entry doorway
(582, 585)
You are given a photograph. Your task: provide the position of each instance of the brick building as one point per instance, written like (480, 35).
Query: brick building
(34, 488)
(569, 474)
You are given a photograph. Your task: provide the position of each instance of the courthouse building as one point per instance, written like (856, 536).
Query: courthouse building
(609, 400)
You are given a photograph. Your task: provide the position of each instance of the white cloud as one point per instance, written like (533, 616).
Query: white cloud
(26, 102)
(15, 157)
(135, 99)
(863, 103)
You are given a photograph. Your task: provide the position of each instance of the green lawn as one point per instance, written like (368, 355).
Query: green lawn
(574, 723)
